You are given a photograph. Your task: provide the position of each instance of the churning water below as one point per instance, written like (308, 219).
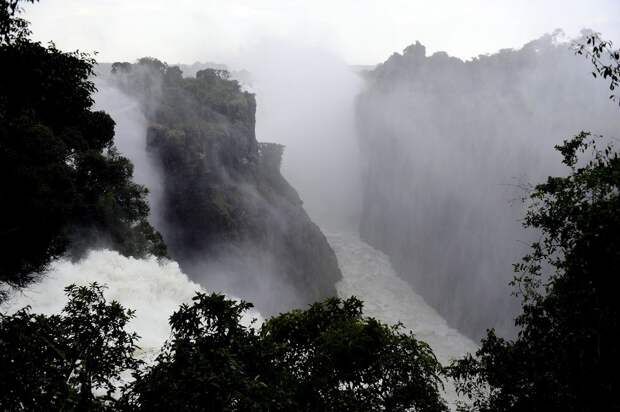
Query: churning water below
(154, 289)
(368, 274)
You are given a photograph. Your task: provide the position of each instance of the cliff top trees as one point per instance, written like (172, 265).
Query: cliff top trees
(64, 184)
(566, 355)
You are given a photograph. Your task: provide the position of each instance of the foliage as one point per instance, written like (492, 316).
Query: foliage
(65, 185)
(201, 132)
(212, 362)
(12, 27)
(328, 357)
(566, 355)
(71, 361)
(604, 58)
(334, 359)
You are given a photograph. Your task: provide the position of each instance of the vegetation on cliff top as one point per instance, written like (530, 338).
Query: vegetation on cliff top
(224, 198)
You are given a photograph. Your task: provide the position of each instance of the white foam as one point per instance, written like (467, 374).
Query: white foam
(368, 274)
(154, 289)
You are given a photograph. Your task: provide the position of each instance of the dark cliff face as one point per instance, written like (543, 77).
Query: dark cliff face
(449, 148)
(230, 219)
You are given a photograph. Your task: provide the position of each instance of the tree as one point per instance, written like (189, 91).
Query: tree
(333, 358)
(212, 362)
(328, 357)
(71, 361)
(604, 58)
(65, 186)
(12, 27)
(566, 355)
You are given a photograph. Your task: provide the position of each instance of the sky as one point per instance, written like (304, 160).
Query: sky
(359, 31)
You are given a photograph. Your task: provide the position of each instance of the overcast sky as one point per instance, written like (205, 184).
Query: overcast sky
(359, 31)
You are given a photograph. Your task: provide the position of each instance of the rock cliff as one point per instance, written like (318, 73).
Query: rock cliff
(228, 216)
(449, 149)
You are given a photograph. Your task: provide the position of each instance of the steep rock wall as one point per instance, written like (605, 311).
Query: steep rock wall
(228, 216)
(449, 148)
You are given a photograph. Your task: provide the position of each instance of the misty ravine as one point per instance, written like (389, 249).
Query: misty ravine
(366, 273)
(314, 114)
(450, 148)
(297, 233)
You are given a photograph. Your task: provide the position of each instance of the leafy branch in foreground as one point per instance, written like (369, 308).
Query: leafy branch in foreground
(566, 355)
(604, 58)
(328, 357)
(70, 361)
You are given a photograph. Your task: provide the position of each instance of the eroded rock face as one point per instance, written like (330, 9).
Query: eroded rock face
(449, 149)
(229, 217)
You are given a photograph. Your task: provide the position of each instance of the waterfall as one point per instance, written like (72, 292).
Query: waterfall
(154, 289)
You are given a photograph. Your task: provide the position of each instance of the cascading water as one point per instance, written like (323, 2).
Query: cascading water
(154, 289)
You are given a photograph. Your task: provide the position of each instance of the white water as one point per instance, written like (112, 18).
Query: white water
(368, 274)
(154, 289)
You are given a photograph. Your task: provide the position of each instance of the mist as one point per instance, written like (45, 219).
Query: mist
(130, 139)
(417, 205)
(428, 158)
(451, 147)
(306, 101)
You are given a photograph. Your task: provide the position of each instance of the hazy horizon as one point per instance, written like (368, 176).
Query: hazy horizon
(361, 32)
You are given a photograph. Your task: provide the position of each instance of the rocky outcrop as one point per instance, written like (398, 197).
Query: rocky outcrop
(229, 217)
